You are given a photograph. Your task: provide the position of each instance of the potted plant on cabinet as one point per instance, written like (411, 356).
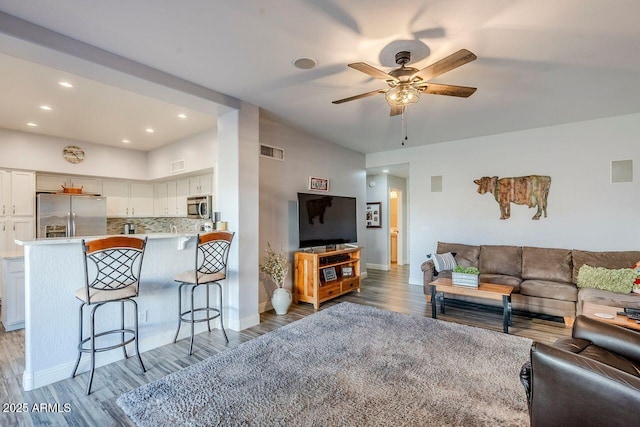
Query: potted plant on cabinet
(275, 265)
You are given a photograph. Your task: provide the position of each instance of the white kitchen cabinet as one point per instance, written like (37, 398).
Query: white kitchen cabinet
(117, 194)
(140, 199)
(5, 193)
(202, 184)
(13, 293)
(171, 198)
(126, 199)
(15, 228)
(23, 185)
(19, 228)
(182, 192)
(160, 207)
(54, 183)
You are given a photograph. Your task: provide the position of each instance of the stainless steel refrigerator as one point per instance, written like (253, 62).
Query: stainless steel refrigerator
(64, 215)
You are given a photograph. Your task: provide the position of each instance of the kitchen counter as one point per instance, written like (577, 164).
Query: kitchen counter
(54, 271)
(12, 254)
(67, 240)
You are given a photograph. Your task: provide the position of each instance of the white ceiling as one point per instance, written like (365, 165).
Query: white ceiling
(540, 62)
(89, 111)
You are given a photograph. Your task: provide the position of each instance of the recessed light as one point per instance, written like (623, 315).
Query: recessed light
(31, 124)
(149, 130)
(46, 108)
(182, 116)
(65, 83)
(305, 63)
(385, 170)
(125, 141)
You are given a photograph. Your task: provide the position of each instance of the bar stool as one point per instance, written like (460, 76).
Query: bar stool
(112, 275)
(212, 251)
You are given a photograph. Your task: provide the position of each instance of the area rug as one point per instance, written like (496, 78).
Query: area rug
(347, 365)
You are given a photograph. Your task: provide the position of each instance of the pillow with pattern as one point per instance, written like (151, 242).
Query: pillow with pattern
(619, 281)
(443, 262)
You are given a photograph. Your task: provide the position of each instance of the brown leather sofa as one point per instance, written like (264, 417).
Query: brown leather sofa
(589, 379)
(544, 279)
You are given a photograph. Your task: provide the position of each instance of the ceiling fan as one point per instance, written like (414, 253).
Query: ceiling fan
(407, 83)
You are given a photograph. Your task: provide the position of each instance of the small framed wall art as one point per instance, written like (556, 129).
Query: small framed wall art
(318, 184)
(374, 214)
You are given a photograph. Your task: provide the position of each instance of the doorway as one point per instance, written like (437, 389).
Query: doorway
(396, 226)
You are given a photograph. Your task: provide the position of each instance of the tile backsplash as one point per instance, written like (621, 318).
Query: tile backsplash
(155, 225)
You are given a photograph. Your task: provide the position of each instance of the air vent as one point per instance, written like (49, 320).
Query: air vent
(271, 152)
(177, 166)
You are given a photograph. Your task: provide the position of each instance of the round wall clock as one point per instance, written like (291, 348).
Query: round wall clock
(73, 154)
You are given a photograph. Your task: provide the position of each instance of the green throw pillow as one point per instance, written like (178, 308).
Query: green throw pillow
(619, 281)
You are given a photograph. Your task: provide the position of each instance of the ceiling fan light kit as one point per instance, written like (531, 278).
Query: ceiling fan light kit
(405, 84)
(401, 95)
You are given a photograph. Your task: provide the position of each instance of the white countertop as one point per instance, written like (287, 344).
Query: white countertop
(67, 240)
(12, 254)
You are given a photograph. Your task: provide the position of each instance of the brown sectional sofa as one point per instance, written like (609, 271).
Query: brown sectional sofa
(544, 279)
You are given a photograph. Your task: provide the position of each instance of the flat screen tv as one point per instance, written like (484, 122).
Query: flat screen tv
(326, 220)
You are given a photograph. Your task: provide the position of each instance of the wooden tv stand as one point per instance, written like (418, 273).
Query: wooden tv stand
(315, 285)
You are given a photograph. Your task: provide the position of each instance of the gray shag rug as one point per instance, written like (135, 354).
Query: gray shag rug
(347, 365)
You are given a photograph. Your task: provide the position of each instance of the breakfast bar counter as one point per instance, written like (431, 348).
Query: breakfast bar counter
(54, 270)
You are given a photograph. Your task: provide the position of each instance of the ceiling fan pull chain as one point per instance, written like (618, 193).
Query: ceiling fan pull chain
(404, 127)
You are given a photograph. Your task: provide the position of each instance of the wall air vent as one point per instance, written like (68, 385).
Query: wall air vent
(177, 166)
(271, 152)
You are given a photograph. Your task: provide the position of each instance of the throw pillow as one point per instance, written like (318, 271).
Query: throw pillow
(636, 284)
(619, 281)
(443, 262)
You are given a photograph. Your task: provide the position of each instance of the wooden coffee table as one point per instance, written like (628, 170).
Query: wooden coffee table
(490, 291)
(590, 309)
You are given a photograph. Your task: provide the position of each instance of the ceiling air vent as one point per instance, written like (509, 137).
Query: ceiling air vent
(271, 152)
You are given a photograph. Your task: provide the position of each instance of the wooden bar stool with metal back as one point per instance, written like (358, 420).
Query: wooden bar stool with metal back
(212, 251)
(112, 268)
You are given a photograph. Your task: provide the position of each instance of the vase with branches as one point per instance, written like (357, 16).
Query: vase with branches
(275, 265)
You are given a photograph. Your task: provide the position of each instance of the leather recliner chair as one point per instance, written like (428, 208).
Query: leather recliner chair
(589, 379)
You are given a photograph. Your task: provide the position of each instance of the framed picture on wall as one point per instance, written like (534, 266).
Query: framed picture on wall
(318, 184)
(374, 214)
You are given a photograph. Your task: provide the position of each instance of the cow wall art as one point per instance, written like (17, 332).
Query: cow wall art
(529, 190)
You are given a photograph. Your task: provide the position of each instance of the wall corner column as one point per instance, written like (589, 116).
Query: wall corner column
(237, 198)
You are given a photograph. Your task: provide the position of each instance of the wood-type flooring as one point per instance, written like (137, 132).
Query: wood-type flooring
(64, 403)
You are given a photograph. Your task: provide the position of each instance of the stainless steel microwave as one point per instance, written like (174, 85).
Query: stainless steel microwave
(199, 207)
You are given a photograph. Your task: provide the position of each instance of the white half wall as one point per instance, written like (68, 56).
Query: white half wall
(585, 210)
(280, 181)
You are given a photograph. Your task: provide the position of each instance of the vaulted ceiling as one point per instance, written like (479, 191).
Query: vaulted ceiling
(540, 62)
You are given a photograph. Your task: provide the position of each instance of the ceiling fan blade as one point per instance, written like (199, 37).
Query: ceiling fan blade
(450, 90)
(396, 110)
(452, 61)
(372, 71)
(362, 95)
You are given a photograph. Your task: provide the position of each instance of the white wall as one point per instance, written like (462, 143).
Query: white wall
(280, 181)
(377, 239)
(198, 152)
(43, 153)
(21, 150)
(586, 211)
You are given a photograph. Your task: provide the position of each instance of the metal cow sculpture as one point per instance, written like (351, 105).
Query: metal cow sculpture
(529, 190)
